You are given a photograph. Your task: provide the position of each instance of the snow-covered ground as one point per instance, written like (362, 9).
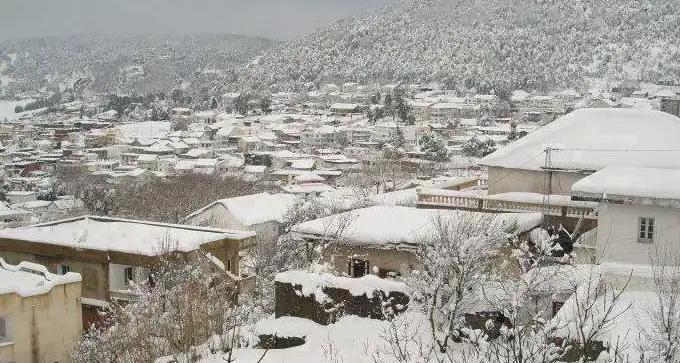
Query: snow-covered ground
(351, 339)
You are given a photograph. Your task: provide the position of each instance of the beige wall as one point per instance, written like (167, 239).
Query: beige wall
(394, 260)
(95, 275)
(502, 180)
(42, 328)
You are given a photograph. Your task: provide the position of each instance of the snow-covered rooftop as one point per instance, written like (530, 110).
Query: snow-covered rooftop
(590, 139)
(313, 283)
(122, 235)
(28, 279)
(396, 225)
(145, 129)
(616, 182)
(255, 208)
(307, 188)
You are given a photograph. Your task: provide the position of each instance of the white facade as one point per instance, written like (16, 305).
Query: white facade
(618, 237)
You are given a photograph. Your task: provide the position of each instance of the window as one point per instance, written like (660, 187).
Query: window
(358, 267)
(63, 269)
(127, 275)
(646, 230)
(3, 330)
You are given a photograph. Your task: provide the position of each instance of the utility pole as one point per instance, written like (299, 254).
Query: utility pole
(547, 185)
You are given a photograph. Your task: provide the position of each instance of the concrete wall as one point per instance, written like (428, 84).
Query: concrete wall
(95, 275)
(401, 261)
(502, 180)
(117, 276)
(290, 301)
(42, 328)
(617, 237)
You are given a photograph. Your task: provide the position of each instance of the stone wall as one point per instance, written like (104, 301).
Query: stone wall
(290, 301)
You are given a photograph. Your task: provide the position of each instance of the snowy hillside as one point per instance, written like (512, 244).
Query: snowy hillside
(126, 63)
(501, 44)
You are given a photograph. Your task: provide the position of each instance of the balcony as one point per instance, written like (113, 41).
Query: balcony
(123, 295)
(549, 205)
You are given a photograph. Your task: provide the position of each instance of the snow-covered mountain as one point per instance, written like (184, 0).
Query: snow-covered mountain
(487, 44)
(144, 63)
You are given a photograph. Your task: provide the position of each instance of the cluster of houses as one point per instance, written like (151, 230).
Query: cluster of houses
(608, 171)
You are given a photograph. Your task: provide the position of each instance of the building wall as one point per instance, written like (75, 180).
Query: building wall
(618, 232)
(43, 328)
(95, 275)
(117, 276)
(503, 180)
(393, 260)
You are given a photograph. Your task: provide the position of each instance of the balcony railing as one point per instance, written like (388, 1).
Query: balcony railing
(461, 200)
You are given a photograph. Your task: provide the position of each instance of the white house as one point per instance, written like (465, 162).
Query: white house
(638, 217)
(263, 213)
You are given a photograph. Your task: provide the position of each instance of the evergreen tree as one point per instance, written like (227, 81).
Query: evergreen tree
(376, 98)
(266, 105)
(433, 146)
(241, 103)
(477, 148)
(399, 141)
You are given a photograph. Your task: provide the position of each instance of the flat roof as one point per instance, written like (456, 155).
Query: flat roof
(122, 235)
(629, 183)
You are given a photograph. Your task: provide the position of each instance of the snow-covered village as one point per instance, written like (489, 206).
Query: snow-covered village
(335, 181)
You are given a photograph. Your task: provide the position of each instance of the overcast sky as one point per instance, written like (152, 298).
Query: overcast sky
(280, 19)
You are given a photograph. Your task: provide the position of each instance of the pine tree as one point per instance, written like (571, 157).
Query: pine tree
(399, 141)
(433, 146)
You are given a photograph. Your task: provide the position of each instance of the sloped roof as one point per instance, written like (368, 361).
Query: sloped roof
(255, 208)
(590, 139)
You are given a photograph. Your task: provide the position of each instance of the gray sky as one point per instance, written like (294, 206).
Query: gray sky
(280, 19)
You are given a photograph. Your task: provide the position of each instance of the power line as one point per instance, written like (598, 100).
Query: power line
(615, 150)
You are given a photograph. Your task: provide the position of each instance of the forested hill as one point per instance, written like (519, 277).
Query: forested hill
(487, 44)
(144, 63)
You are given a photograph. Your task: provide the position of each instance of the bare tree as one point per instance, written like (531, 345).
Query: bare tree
(454, 260)
(184, 304)
(401, 341)
(170, 200)
(379, 176)
(660, 340)
(457, 278)
(290, 251)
